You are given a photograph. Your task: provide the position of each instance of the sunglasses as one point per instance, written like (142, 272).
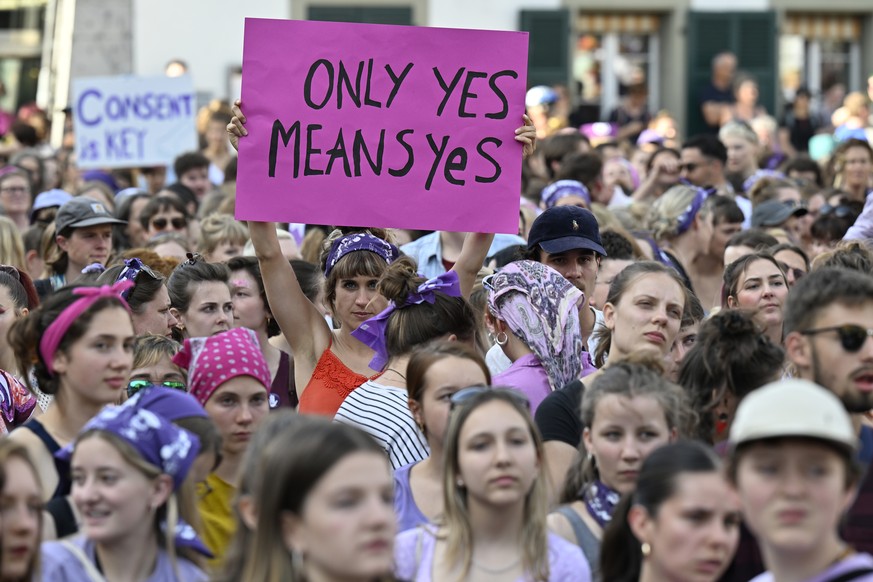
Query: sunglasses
(838, 211)
(689, 167)
(135, 386)
(852, 337)
(11, 271)
(467, 394)
(161, 223)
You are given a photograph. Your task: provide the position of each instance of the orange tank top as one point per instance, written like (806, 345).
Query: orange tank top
(329, 385)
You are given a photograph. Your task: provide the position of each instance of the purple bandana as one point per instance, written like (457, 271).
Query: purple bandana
(601, 502)
(359, 241)
(563, 188)
(686, 219)
(750, 182)
(132, 268)
(372, 331)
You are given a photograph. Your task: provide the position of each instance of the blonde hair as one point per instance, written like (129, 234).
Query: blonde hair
(456, 516)
(739, 129)
(663, 219)
(218, 228)
(181, 504)
(11, 244)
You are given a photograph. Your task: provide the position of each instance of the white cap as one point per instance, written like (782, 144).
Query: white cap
(793, 408)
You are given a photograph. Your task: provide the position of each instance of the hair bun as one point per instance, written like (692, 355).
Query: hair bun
(735, 323)
(400, 280)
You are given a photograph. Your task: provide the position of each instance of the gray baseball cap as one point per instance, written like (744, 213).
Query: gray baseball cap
(81, 212)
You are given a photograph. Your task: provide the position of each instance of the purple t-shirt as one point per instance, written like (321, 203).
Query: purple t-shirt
(851, 564)
(528, 376)
(409, 516)
(59, 564)
(414, 551)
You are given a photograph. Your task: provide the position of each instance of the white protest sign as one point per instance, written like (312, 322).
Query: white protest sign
(129, 122)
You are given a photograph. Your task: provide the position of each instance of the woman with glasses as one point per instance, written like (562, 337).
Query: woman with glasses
(164, 214)
(681, 521)
(435, 373)
(200, 298)
(79, 345)
(148, 299)
(853, 168)
(495, 500)
(757, 284)
(534, 312)
(153, 365)
(628, 411)
(419, 311)
(228, 376)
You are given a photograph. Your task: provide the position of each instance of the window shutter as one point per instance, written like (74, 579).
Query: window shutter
(362, 14)
(549, 49)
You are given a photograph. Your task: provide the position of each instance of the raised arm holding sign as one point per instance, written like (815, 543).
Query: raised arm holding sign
(367, 174)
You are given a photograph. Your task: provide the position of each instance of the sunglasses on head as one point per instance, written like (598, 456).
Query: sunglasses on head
(135, 386)
(838, 211)
(852, 337)
(161, 223)
(467, 394)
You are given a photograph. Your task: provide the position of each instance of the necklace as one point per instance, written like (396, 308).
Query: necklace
(396, 372)
(495, 570)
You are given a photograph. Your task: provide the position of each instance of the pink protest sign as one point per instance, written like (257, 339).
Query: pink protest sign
(383, 126)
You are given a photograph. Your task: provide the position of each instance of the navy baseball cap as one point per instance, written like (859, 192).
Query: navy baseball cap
(564, 228)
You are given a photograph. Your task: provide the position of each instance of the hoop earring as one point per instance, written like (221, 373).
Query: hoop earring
(505, 338)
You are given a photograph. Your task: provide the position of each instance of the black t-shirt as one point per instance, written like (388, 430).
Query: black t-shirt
(557, 416)
(711, 93)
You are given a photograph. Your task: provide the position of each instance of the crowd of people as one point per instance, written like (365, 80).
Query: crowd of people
(665, 374)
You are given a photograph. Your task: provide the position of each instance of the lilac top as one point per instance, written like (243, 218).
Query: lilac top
(58, 564)
(408, 514)
(413, 559)
(850, 564)
(863, 227)
(528, 376)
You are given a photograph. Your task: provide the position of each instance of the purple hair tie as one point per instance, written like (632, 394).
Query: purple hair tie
(372, 332)
(359, 241)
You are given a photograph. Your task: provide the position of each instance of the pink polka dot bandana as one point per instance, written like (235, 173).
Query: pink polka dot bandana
(212, 361)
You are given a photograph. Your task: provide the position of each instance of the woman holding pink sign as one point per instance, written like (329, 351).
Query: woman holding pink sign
(330, 363)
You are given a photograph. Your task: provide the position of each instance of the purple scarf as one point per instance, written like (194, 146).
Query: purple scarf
(601, 502)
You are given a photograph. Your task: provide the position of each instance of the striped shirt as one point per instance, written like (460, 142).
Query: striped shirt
(383, 413)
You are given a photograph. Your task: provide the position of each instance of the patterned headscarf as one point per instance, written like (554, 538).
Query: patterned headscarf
(542, 308)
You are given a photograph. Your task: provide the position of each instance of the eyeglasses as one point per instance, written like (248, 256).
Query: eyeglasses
(488, 282)
(852, 337)
(11, 271)
(467, 394)
(15, 189)
(135, 386)
(161, 223)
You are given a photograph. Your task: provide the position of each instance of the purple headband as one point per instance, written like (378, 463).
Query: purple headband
(372, 331)
(54, 333)
(563, 188)
(750, 182)
(686, 219)
(359, 241)
(158, 441)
